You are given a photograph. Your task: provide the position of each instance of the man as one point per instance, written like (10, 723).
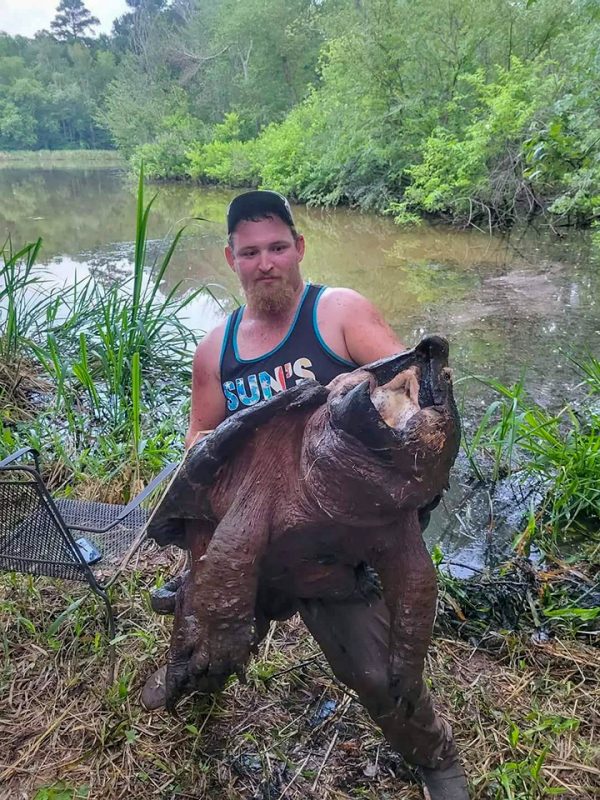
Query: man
(287, 331)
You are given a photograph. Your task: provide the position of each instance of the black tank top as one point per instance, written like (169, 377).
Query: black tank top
(301, 354)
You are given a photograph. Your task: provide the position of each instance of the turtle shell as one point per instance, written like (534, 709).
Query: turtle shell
(185, 495)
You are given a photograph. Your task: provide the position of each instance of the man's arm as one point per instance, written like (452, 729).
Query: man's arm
(208, 402)
(354, 328)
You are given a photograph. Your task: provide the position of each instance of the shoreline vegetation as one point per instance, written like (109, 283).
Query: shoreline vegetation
(475, 112)
(96, 378)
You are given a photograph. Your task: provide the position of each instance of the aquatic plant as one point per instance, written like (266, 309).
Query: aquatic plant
(560, 451)
(490, 449)
(20, 308)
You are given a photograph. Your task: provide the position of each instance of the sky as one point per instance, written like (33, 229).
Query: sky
(28, 16)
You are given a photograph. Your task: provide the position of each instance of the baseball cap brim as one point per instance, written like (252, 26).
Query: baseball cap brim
(256, 205)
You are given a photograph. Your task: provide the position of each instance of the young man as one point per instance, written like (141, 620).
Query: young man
(289, 330)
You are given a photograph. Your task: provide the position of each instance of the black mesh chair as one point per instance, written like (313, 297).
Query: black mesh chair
(38, 535)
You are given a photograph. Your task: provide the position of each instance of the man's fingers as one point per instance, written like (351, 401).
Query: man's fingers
(163, 600)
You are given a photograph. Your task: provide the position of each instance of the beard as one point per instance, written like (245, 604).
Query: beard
(271, 298)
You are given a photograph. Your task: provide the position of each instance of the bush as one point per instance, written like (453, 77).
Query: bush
(481, 172)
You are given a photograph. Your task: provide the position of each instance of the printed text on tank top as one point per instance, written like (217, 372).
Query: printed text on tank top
(301, 354)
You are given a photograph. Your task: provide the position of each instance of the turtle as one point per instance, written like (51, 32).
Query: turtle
(295, 498)
(316, 496)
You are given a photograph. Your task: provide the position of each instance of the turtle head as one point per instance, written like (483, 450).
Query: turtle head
(402, 408)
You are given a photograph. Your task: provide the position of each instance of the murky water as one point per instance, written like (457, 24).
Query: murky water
(507, 304)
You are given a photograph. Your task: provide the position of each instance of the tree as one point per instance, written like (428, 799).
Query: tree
(132, 26)
(72, 21)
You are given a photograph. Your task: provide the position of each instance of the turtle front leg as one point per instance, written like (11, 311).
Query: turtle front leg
(214, 630)
(198, 533)
(410, 592)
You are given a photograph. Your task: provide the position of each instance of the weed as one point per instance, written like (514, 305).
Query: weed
(558, 451)
(115, 360)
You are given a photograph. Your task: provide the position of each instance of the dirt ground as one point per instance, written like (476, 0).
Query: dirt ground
(526, 715)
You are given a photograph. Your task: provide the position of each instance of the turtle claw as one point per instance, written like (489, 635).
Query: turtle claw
(220, 650)
(163, 600)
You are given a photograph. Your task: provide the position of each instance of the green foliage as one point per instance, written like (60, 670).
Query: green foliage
(496, 434)
(72, 20)
(112, 355)
(560, 451)
(486, 117)
(225, 159)
(523, 779)
(20, 310)
(51, 93)
(289, 161)
(478, 172)
(61, 791)
(565, 451)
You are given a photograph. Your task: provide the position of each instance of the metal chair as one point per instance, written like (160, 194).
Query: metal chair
(38, 534)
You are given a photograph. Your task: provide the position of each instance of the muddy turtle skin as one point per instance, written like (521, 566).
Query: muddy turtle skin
(314, 494)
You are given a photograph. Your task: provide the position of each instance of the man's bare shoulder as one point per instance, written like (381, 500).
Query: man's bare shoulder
(366, 334)
(208, 352)
(345, 302)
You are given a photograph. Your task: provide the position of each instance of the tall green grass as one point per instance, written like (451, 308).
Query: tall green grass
(118, 358)
(20, 307)
(560, 450)
(490, 450)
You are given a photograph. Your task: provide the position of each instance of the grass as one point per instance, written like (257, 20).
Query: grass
(114, 361)
(554, 599)
(526, 715)
(560, 451)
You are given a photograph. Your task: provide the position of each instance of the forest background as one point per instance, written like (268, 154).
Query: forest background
(482, 111)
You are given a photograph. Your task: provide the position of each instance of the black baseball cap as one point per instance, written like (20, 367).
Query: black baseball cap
(256, 205)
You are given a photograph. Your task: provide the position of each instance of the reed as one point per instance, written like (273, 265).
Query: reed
(490, 450)
(116, 357)
(561, 451)
(20, 307)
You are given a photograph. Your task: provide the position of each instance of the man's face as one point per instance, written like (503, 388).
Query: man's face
(266, 258)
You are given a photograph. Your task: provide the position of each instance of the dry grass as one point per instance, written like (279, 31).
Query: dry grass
(291, 733)
(19, 385)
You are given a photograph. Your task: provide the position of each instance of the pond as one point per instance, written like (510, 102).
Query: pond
(508, 304)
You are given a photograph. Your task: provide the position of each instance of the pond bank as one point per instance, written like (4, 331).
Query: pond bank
(47, 159)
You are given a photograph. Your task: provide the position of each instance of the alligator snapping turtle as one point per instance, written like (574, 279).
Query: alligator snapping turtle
(309, 495)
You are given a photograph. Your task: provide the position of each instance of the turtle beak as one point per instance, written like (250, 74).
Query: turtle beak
(355, 412)
(430, 355)
(430, 348)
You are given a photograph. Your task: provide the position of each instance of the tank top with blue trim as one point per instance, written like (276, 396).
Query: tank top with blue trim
(301, 354)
